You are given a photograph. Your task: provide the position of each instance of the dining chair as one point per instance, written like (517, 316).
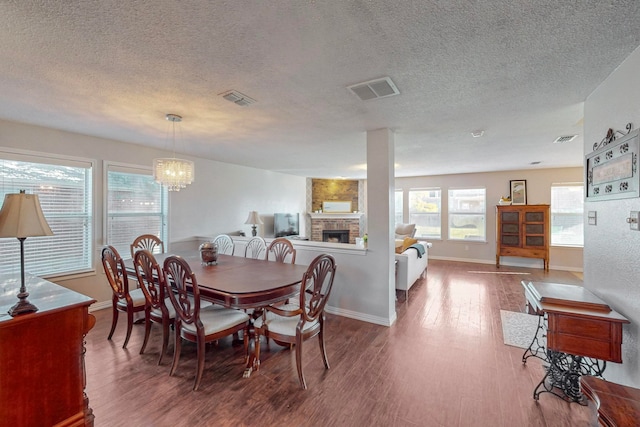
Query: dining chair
(194, 323)
(123, 299)
(225, 244)
(158, 307)
(281, 248)
(295, 323)
(149, 242)
(256, 248)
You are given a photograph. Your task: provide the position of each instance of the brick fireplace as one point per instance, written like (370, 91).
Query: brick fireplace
(334, 223)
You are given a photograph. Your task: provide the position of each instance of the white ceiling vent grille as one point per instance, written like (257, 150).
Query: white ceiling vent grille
(563, 139)
(374, 89)
(237, 98)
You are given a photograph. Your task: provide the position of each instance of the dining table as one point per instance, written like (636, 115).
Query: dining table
(240, 283)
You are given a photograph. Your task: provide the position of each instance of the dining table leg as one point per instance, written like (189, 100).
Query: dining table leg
(253, 361)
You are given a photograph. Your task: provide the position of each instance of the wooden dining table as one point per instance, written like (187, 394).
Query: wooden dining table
(240, 283)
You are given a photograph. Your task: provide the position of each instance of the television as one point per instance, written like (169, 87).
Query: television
(286, 224)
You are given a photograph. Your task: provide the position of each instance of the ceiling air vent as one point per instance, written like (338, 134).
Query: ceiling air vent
(374, 89)
(563, 139)
(237, 98)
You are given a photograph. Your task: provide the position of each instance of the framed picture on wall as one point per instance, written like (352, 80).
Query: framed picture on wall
(518, 191)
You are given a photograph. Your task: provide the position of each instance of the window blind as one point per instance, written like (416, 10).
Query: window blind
(66, 200)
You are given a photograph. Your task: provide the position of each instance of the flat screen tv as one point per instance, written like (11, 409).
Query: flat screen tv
(286, 224)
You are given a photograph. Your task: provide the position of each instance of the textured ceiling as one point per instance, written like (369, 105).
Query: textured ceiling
(519, 70)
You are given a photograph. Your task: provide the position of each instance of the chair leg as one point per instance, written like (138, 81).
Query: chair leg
(165, 340)
(303, 384)
(114, 321)
(176, 351)
(322, 347)
(200, 368)
(147, 331)
(129, 327)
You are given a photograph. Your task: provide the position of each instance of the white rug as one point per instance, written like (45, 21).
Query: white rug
(518, 329)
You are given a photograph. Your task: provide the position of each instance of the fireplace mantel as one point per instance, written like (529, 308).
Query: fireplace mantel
(330, 216)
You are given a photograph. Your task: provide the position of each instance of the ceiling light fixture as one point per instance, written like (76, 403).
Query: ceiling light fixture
(173, 173)
(477, 133)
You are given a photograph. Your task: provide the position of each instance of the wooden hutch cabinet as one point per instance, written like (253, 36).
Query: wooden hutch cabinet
(523, 231)
(42, 376)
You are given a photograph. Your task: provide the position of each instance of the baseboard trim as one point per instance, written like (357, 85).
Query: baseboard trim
(361, 316)
(510, 264)
(99, 306)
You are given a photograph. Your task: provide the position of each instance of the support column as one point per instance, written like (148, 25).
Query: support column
(380, 214)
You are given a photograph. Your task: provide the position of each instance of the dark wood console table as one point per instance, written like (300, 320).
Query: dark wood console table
(582, 332)
(617, 405)
(42, 356)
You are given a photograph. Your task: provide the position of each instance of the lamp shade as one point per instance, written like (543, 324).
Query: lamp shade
(21, 217)
(253, 218)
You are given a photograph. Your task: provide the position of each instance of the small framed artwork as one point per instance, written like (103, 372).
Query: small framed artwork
(518, 191)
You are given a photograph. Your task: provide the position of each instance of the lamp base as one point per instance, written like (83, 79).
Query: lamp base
(254, 232)
(23, 306)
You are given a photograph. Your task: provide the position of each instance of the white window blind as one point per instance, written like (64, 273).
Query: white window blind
(424, 212)
(136, 205)
(467, 214)
(65, 194)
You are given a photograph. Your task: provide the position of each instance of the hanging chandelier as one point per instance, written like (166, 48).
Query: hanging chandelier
(173, 173)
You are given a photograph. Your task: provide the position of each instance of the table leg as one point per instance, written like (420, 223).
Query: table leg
(253, 361)
(536, 348)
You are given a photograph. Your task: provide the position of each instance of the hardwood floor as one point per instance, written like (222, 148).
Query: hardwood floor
(442, 364)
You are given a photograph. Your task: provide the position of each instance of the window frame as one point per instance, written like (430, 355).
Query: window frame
(399, 191)
(450, 212)
(551, 214)
(127, 168)
(438, 213)
(28, 156)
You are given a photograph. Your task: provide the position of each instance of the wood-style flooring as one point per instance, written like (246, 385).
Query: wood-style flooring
(443, 363)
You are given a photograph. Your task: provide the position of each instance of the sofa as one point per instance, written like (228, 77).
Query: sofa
(410, 267)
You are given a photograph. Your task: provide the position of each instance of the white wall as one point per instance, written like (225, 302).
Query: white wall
(496, 184)
(217, 202)
(611, 248)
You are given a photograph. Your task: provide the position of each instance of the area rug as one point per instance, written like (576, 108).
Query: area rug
(518, 329)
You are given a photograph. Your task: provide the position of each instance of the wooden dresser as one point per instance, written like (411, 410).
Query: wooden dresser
(523, 231)
(42, 377)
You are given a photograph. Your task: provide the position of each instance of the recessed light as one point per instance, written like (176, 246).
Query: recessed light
(477, 133)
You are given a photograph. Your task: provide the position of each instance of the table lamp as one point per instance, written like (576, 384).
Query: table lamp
(253, 219)
(21, 217)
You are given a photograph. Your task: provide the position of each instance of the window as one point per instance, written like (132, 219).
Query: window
(424, 212)
(467, 214)
(136, 205)
(65, 192)
(567, 210)
(399, 207)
